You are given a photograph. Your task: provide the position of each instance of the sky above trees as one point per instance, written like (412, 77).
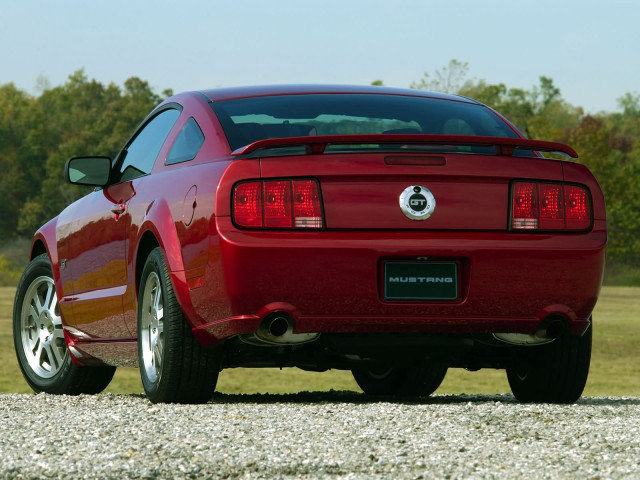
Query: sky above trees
(588, 47)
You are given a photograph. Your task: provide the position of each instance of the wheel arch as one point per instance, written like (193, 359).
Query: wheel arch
(44, 242)
(158, 230)
(147, 243)
(159, 223)
(38, 248)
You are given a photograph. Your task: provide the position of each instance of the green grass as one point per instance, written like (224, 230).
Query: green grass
(622, 275)
(615, 367)
(14, 255)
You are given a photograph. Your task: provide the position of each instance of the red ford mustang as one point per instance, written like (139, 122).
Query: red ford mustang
(393, 233)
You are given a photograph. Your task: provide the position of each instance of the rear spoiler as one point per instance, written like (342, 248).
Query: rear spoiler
(316, 144)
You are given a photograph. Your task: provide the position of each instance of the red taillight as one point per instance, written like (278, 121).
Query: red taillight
(549, 206)
(524, 206)
(247, 204)
(551, 201)
(577, 207)
(277, 204)
(307, 212)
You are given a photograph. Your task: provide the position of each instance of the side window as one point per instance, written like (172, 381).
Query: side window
(142, 152)
(187, 144)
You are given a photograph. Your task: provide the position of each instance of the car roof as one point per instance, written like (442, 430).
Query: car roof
(230, 93)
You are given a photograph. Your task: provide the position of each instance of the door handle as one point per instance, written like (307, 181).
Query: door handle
(119, 210)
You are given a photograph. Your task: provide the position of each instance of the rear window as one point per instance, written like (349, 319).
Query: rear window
(250, 119)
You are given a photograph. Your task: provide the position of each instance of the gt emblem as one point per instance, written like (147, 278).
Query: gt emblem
(417, 202)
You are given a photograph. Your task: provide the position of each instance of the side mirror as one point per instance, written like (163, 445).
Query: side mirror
(93, 171)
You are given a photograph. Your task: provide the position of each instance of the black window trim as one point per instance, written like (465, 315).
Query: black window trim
(204, 138)
(122, 154)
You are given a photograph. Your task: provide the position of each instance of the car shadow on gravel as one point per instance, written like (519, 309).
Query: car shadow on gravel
(336, 396)
(333, 396)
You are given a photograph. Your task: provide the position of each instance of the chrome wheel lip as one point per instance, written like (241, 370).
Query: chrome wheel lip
(152, 328)
(41, 330)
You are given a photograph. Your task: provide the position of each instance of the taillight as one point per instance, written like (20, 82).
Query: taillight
(277, 204)
(551, 200)
(307, 211)
(247, 204)
(549, 206)
(577, 207)
(524, 206)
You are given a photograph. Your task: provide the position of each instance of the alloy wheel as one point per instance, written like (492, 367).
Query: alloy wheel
(41, 330)
(152, 327)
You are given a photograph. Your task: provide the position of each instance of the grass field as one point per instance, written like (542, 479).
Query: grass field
(615, 364)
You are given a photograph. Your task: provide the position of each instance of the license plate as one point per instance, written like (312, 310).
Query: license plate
(420, 281)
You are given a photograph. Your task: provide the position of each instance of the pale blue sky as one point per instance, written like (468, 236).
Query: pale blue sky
(590, 49)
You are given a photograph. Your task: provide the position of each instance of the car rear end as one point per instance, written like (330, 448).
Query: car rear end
(398, 235)
(361, 265)
(313, 229)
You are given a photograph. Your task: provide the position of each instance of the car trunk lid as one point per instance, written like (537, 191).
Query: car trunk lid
(363, 190)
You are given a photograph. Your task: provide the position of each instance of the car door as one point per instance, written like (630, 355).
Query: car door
(93, 234)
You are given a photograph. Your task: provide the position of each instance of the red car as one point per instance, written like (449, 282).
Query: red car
(393, 233)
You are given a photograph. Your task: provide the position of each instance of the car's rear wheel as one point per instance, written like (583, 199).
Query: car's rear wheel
(39, 340)
(400, 381)
(174, 367)
(552, 373)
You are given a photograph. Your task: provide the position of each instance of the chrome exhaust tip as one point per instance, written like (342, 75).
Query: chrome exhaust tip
(550, 328)
(277, 329)
(277, 326)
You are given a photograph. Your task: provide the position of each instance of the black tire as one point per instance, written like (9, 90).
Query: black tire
(174, 367)
(39, 341)
(400, 381)
(553, 373)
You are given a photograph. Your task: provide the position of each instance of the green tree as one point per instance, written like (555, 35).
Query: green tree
(81, 117)
(449, 79)
(18, 155)
(618, 172)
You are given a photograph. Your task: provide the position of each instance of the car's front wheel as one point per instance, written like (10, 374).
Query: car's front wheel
(400, 381)
(39, 340)
(174, 367)
(552, 373)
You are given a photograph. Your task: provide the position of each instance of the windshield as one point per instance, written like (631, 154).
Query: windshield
(250, 119)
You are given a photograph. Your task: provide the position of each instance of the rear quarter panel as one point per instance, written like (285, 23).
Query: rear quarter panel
(578, 173)
(178, 204)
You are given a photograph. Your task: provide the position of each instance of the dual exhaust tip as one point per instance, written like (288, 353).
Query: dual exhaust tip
(550, 328)
(276, 329)
(276, 326)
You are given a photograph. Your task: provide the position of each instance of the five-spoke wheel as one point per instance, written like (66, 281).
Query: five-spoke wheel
(41, 328)
(174, 367)
(38, 337)
(152, 327)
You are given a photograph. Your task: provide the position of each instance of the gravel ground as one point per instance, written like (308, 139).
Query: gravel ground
(316, 435)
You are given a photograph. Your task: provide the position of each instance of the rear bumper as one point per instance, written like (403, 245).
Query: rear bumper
(332, 281)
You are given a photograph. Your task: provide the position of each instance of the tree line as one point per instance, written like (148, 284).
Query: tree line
(39, 134)
(83, 116)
